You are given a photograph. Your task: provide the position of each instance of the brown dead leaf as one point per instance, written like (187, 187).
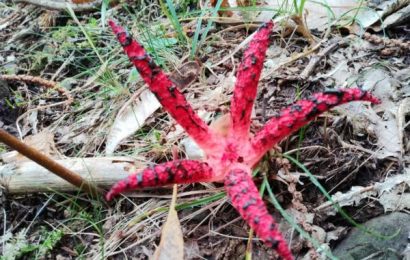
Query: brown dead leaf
(172, 242)
(43, 141)
(184, 75)
(224, 4)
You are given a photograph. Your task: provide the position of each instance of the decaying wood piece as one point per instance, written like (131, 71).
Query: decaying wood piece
(48, 163)
(81, 6)
(27, 176)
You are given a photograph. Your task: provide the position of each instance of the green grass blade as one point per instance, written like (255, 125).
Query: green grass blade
(200, 202)
(335, 205)
(104, 6)
(173, 17)
(87, 36)
(207, 28)
(289, 219)
(197, 31)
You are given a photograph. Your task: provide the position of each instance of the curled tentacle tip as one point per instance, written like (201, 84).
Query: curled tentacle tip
(364, 95)
(116, 189)
(109, 196)
(372, 99)
(112, 24)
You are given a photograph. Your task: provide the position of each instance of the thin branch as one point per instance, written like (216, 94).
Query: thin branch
(48, 163)
(41, 82)
(63, 5)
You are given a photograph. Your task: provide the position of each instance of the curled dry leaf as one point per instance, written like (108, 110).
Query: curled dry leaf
(381, 122)
(390, 193)
(185, 74)
(134, 114)
(131, 118)
(172, 242)
(43, 141)
(373, 15)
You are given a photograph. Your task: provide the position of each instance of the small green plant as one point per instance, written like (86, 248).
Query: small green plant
(342, 212)
(16, 246)
(52, 238)
(299, 6)
(170, 12)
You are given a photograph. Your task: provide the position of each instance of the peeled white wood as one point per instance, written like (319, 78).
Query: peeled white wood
(28, 177)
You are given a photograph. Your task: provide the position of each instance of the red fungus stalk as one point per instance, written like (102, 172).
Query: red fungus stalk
(229, 156)
(247, 83)
(164, 89)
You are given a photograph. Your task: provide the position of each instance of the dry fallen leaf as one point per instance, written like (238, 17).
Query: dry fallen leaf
(391, 194)
(131, 118)
(381, 121)
(133, 115)
(43, 141)
(185, 74)
(172, 242)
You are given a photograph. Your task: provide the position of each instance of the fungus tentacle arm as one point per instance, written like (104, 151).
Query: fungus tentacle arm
(247, 201)
(172, 100)
(179, 171)
(247, 82)
(302, 112)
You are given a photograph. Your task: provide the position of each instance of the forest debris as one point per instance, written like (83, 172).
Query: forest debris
(4, 90)
(224, 5)
(81, 6)
(131, 117)
(27, 176)
(171, 245)
(318, 17)
(400, 17)
(240, 13)
(380, 121)
(398, 46)
(391, 194)
(41, 82)
(403, 110)
(48, 163)
(43, 142)
(375, 12)
(316, 58)
(185, 74)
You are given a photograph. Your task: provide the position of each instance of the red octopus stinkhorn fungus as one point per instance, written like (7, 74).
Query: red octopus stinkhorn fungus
(231, 157)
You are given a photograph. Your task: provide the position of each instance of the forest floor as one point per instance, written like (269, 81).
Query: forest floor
(90, 111)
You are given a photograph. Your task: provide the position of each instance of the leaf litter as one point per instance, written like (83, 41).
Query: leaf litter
(369, 145)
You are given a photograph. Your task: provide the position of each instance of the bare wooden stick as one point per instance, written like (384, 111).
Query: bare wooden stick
(21, 177)
(333, 45)
(62, 5)
(48, 163)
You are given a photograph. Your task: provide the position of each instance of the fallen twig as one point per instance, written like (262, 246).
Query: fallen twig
(22, 177)
(63, 5)
(390, 46)
(40, 81)
(334, 44)
(48, 163)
